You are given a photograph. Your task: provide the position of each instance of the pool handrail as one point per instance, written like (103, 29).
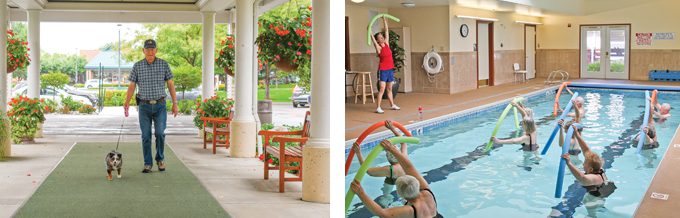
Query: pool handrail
(563, 162)
(557, 97)
(557, 126)
(369, 159)
(365, 134)
(370, 24)
(500, 121)
(642, 135)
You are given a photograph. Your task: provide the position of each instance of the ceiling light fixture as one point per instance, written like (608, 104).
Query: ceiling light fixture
(357, 1)
(408, 4)
(528, 22)
(477, 18)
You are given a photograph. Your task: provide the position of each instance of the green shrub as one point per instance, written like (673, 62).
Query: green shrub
(87, 109)
(79, 85)
(594, 67)
(71, 104)
(221, 87)
(117, 98)
(617, 67)
(185, 106)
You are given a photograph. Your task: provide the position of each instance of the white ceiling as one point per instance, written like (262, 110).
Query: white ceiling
(533, 7)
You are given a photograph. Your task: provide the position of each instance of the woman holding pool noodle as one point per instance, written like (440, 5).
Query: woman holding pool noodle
(593, 179)
(421, 201)
(381, 43)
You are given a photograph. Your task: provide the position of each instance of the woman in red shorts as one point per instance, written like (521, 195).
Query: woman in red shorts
(386, 66)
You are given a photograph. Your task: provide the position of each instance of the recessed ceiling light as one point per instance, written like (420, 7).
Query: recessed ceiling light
(357, 1)
(408, 4)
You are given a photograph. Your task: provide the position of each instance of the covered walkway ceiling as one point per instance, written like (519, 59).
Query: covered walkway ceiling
(128, 11)
(529, 7)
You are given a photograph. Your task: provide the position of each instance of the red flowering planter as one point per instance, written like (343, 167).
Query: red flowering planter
(285, 65)
(17, 52)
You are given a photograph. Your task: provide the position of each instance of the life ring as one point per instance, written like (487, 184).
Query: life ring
(432, 63)
(368, 131)
(369, 159)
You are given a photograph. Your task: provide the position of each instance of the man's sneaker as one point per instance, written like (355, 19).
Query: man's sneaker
(161, 165)
(380, 111)
(147, 169)
(395, 107)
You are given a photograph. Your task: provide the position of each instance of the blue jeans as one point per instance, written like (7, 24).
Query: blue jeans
(157, 114)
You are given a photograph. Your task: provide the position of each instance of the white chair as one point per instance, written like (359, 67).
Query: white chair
(518, 72)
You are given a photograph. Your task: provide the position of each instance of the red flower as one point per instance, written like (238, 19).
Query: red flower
(231, 46)
(310, 7)
(290, 44)
(298, 53)
(309, 52)
(261, 157)
(270, 160)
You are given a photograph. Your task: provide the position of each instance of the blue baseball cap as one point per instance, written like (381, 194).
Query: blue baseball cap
(149, 43)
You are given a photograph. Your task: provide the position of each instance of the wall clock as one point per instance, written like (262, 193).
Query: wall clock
(464, 30)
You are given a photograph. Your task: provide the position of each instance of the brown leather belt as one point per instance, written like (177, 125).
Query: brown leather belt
(150, 101)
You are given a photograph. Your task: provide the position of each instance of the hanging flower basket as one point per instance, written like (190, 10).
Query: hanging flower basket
(229, 72)
(11, 68)
(17, 52)
(285, 65)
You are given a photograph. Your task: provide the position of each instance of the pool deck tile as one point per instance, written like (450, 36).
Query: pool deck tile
(665, 184)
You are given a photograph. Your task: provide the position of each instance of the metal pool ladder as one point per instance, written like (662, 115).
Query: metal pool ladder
(552, 78)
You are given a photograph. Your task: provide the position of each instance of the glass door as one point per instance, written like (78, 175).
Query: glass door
(617, 52)
(604, 52)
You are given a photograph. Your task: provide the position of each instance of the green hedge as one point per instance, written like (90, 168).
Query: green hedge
(117, 98)
(615, 67)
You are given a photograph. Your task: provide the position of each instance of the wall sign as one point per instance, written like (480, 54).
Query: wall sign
(664, 36)
(643, 38)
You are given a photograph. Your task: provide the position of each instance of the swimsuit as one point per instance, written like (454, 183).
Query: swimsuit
(603, 190)
(530, 147)
(390, 180)
(415, 213)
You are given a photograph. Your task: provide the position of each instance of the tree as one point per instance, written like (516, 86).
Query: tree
(55, 80)
(62, 63)
(186, 78)
(178, 44)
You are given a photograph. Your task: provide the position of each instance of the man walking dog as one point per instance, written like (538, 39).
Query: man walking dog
(151, 75)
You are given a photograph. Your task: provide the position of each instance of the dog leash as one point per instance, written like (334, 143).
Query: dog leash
(120, 133)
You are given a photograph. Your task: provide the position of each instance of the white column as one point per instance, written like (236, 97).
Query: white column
(34, 54)
(243, 126)
(316, 167)
(208, 54)
(255, 71)
(230, 29)
(5, 145)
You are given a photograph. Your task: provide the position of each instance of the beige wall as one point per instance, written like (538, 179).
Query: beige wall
(429, 26)
(359, 17)
(659, 16)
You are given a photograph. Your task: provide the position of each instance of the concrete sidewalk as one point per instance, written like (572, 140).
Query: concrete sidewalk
(110, 119)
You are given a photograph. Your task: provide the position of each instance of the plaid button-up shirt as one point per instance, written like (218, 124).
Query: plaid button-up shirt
(150, 78)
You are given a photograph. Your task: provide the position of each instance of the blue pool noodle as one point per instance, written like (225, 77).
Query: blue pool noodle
(557, 126)
(641, 141)
(563, 162)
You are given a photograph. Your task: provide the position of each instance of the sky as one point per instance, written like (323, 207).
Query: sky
(68, 38)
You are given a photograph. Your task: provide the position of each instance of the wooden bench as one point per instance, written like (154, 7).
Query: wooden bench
(290, 154)
(217, 126)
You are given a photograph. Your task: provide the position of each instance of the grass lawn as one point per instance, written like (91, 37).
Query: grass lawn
(282, 93)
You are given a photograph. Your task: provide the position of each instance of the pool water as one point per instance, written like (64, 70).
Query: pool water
(470, 183)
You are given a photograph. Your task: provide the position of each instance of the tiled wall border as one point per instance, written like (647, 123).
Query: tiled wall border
(422, 127)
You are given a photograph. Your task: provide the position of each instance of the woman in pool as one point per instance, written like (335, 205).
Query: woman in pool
(574, 148)
(529, 140)
(578, 107)
(661, 111)
(420, 201)
(390, 172)
(593, 179)
(649, 136)
(385, 67)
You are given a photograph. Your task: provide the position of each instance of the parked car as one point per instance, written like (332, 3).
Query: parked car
(74, 91)
(304, 99)
(93, 83)
(54, 94)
